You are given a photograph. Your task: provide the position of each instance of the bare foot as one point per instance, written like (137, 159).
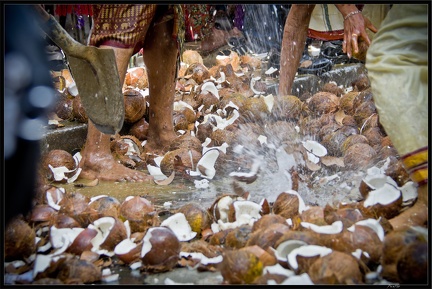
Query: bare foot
(159, 145)
(104, 167)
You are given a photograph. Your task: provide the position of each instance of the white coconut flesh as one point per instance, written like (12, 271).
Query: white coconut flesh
(334, 228)
(202, 258)
(269, 101)
(223, 206)
(156, 172)
(409, 191)
(210, 87)
(62, 236)
(103, 226)
(180, 226)
(147, 246)
(205, 165)
(284, 248)
(97, 198)
(53, 201)
(248, 209)
(302, 279)
(278, 269)
(252, 84)
(179, 105)
(306, 251)
(315, 148)
(377, 181)
(384, 195)
(124, 247)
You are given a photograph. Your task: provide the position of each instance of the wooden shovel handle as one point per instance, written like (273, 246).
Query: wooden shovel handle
(59, 35)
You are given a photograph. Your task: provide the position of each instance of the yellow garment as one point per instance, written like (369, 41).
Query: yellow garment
(397, 64)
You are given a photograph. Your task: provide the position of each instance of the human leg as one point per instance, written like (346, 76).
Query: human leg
(160, 56)
(97, 160)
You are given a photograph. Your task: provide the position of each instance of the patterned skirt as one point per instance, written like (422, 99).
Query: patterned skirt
(125, 25)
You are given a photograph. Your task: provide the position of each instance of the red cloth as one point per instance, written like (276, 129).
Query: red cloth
(79, 9)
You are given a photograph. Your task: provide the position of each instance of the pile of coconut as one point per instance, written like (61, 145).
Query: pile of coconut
(69, 238)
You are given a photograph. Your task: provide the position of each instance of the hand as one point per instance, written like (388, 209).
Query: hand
(354, 29)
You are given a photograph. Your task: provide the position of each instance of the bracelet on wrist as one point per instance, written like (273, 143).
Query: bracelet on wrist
(351, 14)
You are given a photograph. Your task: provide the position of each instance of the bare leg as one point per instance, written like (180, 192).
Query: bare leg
(293, 41)
(160, 55)
(97, 161)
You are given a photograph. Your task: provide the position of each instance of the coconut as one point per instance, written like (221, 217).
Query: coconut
(288, 107)
(42, 213)
(314, 215)
(266, 220)
(374, 136)
(348, 216)
(395, 243)
(106, 206)
(180, 226)
(76, 206)
(140, 129)
(64, 107)
(74, 269)
(364, 96)
(209, 101)
(267, 236)
(186, 141)
(361, 82)
(78, 109)
(140, 213)
(300, 258)
(19, 240)
(240, 267)
(64, 221)
(268, 259)
(346, 102)
(288, 204)
(353, 139)
(137, 77)
(179, 160)
(363, 112)
(180, 122)
(384, 201)
(219, 237)
(332, 87)
(244, 212)
(349, 120)
(336, 268)
(204, 131)
(359, 156)
(198, 72)
(160, 250)
(238, 237)
(135, 105)
(191, 57)
(110, 232)
(254, 62)
(412, 265)
(128, 251)
(82, 241)
(56, 159)
(199, 219)
(323, 102)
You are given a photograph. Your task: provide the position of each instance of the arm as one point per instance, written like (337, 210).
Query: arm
(293, 41)
(355, 25)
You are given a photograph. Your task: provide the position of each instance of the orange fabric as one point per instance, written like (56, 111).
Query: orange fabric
(326, 35)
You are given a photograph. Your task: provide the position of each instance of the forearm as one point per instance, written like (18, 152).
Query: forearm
(294, 38)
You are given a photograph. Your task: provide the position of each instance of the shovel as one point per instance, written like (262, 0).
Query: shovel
(95, 73)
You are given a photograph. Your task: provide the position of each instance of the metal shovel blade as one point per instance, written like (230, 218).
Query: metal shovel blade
(100, 90)
(96, 76)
